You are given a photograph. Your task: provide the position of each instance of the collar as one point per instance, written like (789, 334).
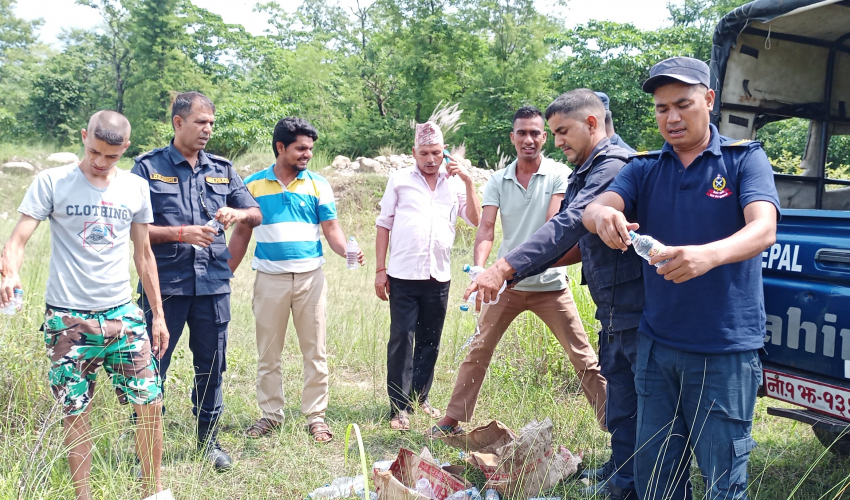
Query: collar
(713, 144)
(601, 147)
(177, 157)
(510, 170)
(270, 176)
(441, 173)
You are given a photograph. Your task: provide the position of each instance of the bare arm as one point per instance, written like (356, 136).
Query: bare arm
(382, 283)
(554, 205)
(688, 262)
(573, 256)
(238, 245)
(146, 268)
(604, 216)
(333, 233)
(251, 217)
(485, 235)
(473, 204)
(13, 257)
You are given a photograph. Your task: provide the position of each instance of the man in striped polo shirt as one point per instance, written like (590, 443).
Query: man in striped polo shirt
(288, 259)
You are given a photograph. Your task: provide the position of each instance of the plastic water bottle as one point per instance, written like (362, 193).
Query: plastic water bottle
(491, 494)
(469, 494)
(16, 304)
(215, 224)
(351, 251)
(647, 247)
(424, 488)
(473, 272)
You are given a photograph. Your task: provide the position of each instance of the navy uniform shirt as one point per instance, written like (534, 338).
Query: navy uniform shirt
(599, 263)
(176, 191)
(722, 310)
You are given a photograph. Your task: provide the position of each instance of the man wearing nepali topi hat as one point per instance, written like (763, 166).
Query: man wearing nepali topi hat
(418, 214)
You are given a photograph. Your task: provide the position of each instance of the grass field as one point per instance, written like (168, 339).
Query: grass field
(529, 378)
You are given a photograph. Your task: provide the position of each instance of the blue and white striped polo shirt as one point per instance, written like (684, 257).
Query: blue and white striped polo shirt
(288, 239)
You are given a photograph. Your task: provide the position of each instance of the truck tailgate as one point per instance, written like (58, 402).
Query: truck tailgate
(807, 294)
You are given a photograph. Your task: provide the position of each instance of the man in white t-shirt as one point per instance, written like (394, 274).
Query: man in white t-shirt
(94, 210)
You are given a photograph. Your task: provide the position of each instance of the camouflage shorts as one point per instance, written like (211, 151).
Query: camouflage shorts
(78, 342)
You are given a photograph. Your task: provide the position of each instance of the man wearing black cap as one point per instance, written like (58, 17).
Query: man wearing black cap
(713, 202)
(613, 137)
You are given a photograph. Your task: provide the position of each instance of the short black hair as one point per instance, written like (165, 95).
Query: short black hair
(576, 100)
(182, 105)
(288, 129)
(526, 112)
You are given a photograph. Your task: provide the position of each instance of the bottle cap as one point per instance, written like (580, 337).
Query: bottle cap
(351, 238)
(632, 234)
(466, 268)
(464, 307)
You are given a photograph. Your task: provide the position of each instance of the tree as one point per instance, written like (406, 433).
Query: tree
(20, 54)
(114, 43)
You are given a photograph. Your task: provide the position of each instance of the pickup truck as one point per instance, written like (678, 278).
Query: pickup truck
(775, 60)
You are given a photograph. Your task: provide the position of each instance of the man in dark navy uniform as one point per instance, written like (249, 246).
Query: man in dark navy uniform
(613, 136)
(712, 201)
(189, 188)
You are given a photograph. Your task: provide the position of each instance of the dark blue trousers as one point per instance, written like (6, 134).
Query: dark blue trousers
(617, 359)
(207, 317)
(691, 401)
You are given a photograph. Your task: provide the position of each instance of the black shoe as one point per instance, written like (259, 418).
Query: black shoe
(208, 445)
(600, 474)
(604, 489)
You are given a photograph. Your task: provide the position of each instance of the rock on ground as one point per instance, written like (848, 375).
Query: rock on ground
(62, 158)
(18, 167)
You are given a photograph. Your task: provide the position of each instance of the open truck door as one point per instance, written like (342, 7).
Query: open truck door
(775, 60)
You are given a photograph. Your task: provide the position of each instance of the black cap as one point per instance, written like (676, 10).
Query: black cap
(685, 69)
(604, 98)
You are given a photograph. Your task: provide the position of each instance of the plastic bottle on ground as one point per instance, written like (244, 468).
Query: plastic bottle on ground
(647, 247)
(16, 304)
(469, 494)
(215, 224)
(473, 272)
(351, 251)
(424, 488)
(491, 494)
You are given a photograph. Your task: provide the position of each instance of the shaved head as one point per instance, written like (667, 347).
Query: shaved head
(110, 127)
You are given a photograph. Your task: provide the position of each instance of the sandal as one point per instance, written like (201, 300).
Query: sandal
(320, 431)
(262, 427)
(441, 431)
(400, 422)
(430, 410)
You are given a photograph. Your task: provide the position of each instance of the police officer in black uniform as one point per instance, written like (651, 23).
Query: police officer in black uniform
(189, 188)
(613, 136)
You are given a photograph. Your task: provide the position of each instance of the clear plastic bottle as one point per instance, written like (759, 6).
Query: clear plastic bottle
(424, 488)
(215, 224)
(16, 303)
(647, 247)
(351, 251)
(491, 494)
(473, 272)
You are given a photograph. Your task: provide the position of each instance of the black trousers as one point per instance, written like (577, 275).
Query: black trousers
(417, 314)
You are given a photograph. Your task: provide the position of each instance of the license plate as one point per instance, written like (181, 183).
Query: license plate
(826, 398)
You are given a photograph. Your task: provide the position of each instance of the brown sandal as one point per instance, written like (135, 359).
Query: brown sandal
(319, 429)
(262, 427)
(400, 422)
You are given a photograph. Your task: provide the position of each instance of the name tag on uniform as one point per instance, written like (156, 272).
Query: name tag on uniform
(159, 177)
(218, 180)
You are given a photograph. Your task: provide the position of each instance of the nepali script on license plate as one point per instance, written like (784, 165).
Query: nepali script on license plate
(829, 399)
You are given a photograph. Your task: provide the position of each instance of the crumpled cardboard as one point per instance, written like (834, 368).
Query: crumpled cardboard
(396, 483)
(521, 465)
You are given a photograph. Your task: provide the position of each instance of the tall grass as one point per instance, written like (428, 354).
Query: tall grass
(529, 378)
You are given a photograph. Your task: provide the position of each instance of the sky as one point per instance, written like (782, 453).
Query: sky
(59, 14)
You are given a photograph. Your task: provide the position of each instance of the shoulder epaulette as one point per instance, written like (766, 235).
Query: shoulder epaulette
(739, 142)
(645, 154)
(149, 153)
(220, 159)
